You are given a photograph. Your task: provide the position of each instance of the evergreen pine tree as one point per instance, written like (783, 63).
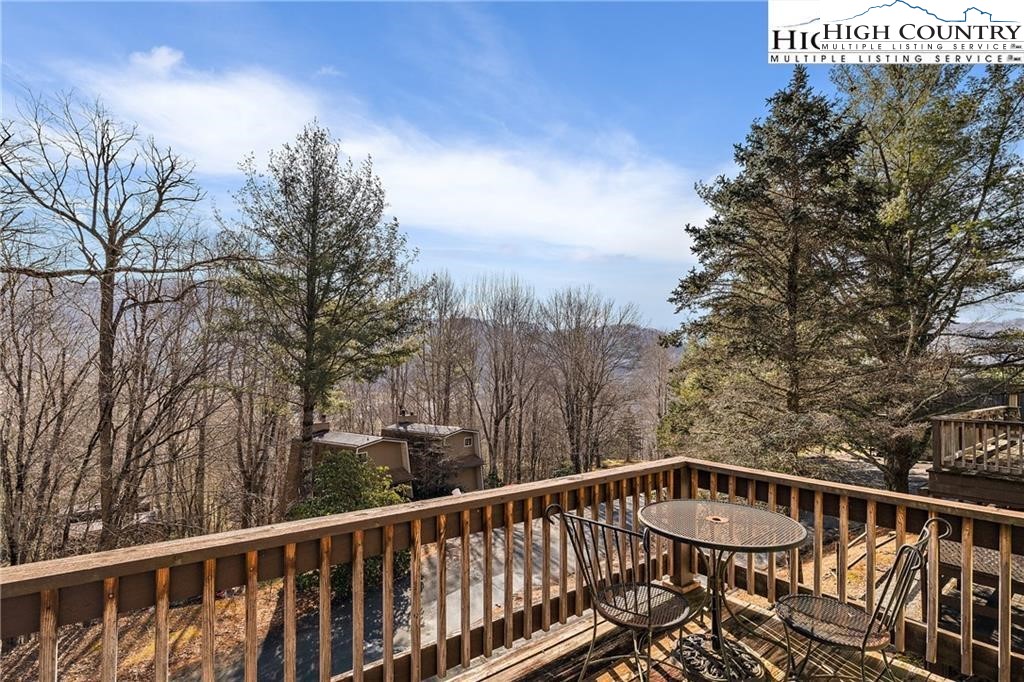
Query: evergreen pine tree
(769, 318)
(322, 272)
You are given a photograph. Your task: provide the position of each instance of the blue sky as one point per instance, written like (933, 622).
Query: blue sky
(560, 141)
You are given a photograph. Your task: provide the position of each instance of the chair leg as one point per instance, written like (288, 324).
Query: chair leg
(807, 659)
(590, 651)
(791, 656)
(886, 669)
(650, 644)
(789, 652)
(636, 655)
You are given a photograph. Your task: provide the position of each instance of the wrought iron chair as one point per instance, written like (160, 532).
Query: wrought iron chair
(827, 621)
(616, 566)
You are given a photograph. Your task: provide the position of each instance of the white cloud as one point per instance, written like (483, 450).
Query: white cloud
(214, 118)
(603, 201)
(595, 206)
(160, 59)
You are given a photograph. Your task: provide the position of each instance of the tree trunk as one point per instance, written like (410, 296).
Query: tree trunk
(306, 449)
(792, 360)
(899, 456)
(519, 443)
(200, 480)
(105, 422)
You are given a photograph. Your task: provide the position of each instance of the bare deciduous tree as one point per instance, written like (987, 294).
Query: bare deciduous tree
(44, 367)
(590, 343)
(447, 348)
(109, 206)
(505, 310)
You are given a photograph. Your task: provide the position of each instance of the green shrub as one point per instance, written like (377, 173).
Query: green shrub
(345, 482)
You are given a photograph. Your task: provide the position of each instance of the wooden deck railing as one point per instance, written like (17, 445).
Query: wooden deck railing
(832, 508)
(103, 588)
(42, 597)
(987, 441)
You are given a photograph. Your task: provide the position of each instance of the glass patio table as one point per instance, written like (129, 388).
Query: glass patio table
(719, 530)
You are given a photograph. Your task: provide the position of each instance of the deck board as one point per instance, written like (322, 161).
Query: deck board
(558, 655)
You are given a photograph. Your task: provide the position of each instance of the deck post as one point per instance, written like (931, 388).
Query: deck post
(937, 443)
(681, 576)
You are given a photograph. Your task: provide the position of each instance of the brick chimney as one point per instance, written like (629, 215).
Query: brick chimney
(405, 417)
(320, 428)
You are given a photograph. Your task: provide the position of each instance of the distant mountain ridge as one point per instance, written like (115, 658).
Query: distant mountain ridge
(989, 326)
(904, 3)
(908, 5)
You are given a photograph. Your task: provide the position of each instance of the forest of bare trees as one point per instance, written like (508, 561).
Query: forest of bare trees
(554, 384)
(141, 398)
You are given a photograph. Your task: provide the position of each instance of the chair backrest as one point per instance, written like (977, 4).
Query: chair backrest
(605, 554)
(909, 563)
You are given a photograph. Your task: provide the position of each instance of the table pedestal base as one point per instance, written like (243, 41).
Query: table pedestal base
(735, 662)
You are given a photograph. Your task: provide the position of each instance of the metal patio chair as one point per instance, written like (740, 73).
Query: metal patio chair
(615, 563)
(829, 622)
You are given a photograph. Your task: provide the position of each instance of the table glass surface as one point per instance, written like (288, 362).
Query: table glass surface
(723, 525)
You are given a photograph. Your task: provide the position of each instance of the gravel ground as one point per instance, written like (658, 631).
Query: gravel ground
(845, 468)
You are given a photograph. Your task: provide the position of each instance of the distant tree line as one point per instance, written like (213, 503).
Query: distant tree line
(555, 385)
(157, 359)
(845, 261)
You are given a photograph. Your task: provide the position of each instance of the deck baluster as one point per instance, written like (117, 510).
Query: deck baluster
(1005, 597)
(464, 594)
(358, 607)
(869, 554)
(441, 631)
(416, 608)
(966, 596)
(545, 576)
(751, 578)
(48, 605)
(509, 577)
(794, 554)
(842, 547)
(325, 608)
(388, 604)
(289, 612)
(161, 669)
(108, 668)
(528, 568)
(488, 595)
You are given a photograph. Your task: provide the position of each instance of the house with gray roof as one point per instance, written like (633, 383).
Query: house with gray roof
(382, 451)
(460, 444)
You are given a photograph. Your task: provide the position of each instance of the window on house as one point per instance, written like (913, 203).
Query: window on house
(468, 442)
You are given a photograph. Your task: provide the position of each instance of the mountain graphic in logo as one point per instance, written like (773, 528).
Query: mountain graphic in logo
(972, 14)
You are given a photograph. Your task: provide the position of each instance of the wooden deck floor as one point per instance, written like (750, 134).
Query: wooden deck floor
(557, 656)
